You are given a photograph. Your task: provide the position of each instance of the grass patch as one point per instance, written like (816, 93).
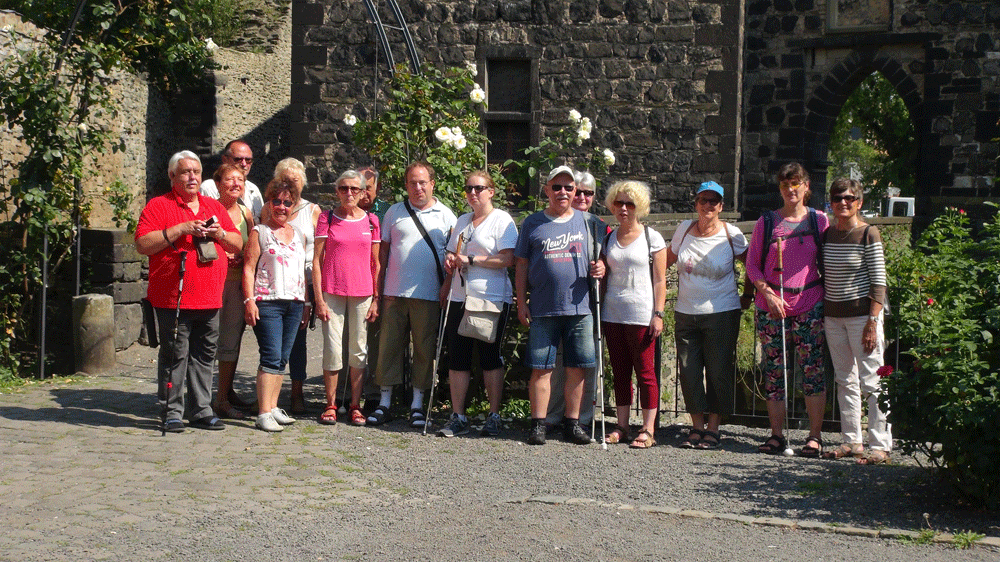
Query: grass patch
(926, 536)
(966, 539)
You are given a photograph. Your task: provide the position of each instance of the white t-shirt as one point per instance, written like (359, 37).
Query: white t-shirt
(496, 232)
(705, 282)
(252, 197)
(629, 297)
(411, 271)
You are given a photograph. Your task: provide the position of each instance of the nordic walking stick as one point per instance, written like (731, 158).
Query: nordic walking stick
(442, 325)
(784, 351)
(168, 384)
(599, 372)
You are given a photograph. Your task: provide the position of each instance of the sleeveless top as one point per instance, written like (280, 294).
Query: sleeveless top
(281, 267)
(303, 221)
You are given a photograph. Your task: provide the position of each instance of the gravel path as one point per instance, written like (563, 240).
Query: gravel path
(86, 476)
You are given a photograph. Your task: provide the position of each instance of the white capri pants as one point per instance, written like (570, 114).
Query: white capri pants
(856, 374)
(349, 311)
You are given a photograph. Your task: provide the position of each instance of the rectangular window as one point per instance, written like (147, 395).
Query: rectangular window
(508, 117)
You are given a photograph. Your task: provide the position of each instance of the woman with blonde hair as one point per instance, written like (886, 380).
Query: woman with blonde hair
(632, 308)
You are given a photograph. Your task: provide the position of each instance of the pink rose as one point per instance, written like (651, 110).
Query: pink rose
(884, 371)
(930, 302)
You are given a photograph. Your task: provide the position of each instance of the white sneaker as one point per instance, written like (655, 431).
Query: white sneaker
(266, 422)
(281, 417)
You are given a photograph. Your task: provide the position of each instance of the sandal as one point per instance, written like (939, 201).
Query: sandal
(618, 435)
(709, 440)
(329, 416)
(845, 450)
(876, 456)
(356, 417)
(297, 404)
(812, 452)
(693, 439)
(379, 416)
(775, 445)
(227, 411)
(644, 443)
(417, 418)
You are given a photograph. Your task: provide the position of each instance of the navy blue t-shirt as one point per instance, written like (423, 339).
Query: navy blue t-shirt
(557, 264)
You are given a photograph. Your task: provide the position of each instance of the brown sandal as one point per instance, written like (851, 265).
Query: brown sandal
(618, 435)
(845, 450)
(645, 443)
(876, 456)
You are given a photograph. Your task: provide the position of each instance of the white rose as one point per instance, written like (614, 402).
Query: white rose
(210, 45)
(350, 120)
(585, 125)
(582, 135)
(472, 68)
(456, 132)
(459, 143)
(443, 134)
(609, 157)
(477, 95)
(574, 115)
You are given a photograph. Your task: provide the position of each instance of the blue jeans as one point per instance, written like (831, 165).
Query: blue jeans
(576, 334)
(275, 330)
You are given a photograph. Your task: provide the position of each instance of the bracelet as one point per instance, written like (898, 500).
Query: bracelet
(246, 300)
(167, 238)
(873, 319)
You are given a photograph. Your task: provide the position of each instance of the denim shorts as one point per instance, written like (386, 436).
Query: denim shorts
(576, 334)
(275, 330)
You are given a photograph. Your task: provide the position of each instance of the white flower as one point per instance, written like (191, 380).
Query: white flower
(350, 120)
(443, 134)
(609, 157)
(210, 45)
(459, 143)
(574, 115)
(456, 132)
(472, 68)
(585, 125)
(582, 135)
(477, 95)
(82, 127)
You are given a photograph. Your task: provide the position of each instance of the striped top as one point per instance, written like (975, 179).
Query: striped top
(854, 271)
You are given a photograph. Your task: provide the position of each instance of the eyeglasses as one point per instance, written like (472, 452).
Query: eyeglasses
(708, 201)
(417, 183)
(279, 202)
(247, 159)
(556, 187)
(478, 188)
(790, 184)
(630, 205)
(351, 188)
(585, 192)
(838, 198)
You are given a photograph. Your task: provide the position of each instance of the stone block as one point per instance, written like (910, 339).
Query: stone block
(113, 253)
(93, 333)
(112, 272)
(123, 293)
(128, 324)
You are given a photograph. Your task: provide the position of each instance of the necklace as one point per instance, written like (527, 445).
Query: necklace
(711, 230)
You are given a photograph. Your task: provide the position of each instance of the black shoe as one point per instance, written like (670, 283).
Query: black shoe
(573, 433)
(209, 422)
(536, 435)
(173, 426)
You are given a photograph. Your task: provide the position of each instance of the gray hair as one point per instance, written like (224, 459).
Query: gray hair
(350, 175)
(585, 179)
(291, 164)
(175, 160)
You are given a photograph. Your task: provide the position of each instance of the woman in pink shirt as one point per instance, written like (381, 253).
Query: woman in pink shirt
(345, 268)
(795, 231)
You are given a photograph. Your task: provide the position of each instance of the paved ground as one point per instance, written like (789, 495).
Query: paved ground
(87, 476)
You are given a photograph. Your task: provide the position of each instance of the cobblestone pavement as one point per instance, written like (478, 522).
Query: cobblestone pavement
(86, 475)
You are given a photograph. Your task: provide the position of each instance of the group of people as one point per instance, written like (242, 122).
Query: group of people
(382, 275)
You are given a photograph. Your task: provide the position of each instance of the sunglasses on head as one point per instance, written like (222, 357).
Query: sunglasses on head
(839, 198)
(557, 187)
(478, 188)
(352, 189)
(276, 202)
(585, 192)
(630, 205)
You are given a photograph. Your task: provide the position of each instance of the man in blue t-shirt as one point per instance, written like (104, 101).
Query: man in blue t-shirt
(553, 252)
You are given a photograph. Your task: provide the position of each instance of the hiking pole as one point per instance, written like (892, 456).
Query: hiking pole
(442, 325)
(784, 352)
(168, 384)
(599, 371)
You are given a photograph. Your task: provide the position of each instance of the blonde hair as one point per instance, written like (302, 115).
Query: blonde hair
(637, 190)
(291, 164)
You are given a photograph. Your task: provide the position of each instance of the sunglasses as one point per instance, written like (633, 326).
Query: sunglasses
(790, 184)
(247, 159)
(352, 189)
(708, 201)
(556, 187)
(585, 192)
(839, 198)
(279, 202)
(477, 188)
(630, 205)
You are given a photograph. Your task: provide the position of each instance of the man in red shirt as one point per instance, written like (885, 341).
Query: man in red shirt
(170, 228)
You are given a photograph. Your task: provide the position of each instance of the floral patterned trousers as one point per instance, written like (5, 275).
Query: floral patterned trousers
(805, 344)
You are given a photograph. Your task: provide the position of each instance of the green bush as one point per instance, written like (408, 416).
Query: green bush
(943, 396)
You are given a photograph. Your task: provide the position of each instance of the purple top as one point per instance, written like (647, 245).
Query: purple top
(801, 267)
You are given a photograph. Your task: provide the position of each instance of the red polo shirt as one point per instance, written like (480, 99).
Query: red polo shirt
(203, 282)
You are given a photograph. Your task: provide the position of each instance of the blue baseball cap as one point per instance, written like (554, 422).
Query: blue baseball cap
(710, 186)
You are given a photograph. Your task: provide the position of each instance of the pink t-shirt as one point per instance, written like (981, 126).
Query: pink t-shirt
(347, 256)
(800, 265)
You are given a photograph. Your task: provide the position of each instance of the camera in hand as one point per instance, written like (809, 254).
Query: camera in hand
(206, 246)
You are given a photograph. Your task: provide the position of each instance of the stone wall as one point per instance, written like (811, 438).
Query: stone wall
(659, 77)
(943, 58)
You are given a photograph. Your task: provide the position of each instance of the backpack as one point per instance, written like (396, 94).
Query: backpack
(748, 289)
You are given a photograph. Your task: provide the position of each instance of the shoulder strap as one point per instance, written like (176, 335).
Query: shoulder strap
(649, 248)
(427, 238)
(817, 238)
(766, 243)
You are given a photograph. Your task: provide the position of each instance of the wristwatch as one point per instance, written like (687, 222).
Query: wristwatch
(658, 314)
(472, 260)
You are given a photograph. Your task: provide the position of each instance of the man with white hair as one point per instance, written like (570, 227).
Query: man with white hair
(555, 261)
(238, 153)
(180, 231)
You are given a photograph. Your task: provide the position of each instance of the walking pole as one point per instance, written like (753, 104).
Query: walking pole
(169, 385)
(784, 352)
(599, 372)
(442, 324)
